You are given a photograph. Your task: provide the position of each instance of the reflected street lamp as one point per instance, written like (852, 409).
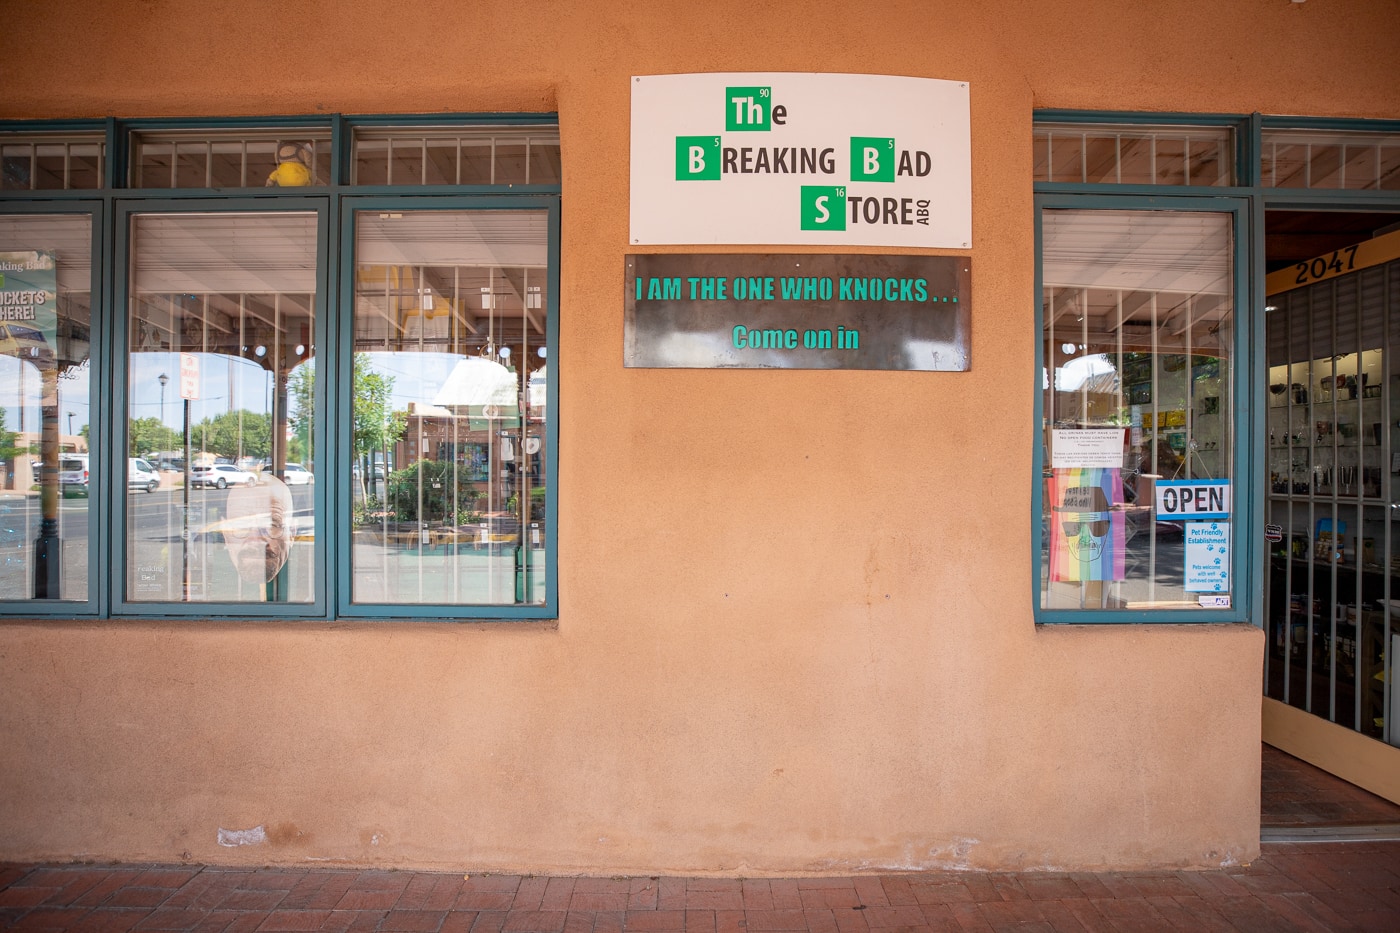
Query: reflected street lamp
(70, 424)
(162, 379)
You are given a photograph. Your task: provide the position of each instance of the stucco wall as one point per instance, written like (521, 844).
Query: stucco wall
(795, 625)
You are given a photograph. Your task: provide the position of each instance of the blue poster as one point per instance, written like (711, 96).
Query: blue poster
(1207, 557)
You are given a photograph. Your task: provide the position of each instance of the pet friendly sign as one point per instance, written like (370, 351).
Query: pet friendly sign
(774, 158)
(1207, 556)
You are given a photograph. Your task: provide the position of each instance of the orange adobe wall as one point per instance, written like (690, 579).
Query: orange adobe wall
(795, 629)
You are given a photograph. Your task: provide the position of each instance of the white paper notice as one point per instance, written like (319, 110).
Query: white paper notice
(1091, 447)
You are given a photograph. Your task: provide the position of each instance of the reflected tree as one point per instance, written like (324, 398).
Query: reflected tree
(146, 435)
(301, 394)
(235, 434)
(377, 427)
(433, 491)
(9, 451)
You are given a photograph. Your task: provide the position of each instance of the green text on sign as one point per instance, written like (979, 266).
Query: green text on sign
(748, 109)
(697, 158)
(872, 158)
(823, 207)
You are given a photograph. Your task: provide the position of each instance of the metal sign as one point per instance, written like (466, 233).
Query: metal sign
(765, 311)
(811, 159)
(189, 376)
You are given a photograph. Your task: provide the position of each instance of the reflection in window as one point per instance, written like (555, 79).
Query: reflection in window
(1133, 154)
(220, 398)
(1328, 159)
(450, 375)
(1138, 324)
(46, 410)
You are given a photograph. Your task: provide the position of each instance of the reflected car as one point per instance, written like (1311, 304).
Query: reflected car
(21, 341)
(141, 475)
(294, 474)
(73, 475)
(220, 476)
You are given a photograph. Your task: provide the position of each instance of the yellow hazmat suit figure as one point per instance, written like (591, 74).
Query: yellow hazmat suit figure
(293, 167)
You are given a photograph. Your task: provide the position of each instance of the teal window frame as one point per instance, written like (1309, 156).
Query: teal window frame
(345, 607)
(113, 456)
(111, 207)
(81, 203)
(1245, 506)
(1250, 199)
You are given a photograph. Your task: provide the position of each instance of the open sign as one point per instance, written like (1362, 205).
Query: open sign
(1192, 499)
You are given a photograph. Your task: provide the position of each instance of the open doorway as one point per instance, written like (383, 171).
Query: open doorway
(1332, 512)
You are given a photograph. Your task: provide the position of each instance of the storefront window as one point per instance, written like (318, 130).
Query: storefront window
(1138, 326)
(46, 407)
(292, 419)
(220, 398)
(448, 473)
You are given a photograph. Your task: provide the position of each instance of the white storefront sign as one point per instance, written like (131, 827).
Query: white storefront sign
(809, 159)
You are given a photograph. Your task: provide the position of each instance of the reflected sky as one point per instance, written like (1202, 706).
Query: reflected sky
(227, 383)
(1081, 369)
(23, 387)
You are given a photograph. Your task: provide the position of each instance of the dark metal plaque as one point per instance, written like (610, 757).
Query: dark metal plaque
(765, 311)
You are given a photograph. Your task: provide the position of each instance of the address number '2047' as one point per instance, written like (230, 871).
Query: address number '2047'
(1341, 260)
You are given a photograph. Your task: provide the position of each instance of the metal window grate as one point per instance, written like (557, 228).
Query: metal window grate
(1126, 154)
(484, 155)
(52, 162)
(234, 159)
(1334, 572)
(1331, 160)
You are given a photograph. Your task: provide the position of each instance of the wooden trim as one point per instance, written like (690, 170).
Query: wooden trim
(1349, 755)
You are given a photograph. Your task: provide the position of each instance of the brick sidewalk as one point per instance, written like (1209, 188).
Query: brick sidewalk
(1331, 886)
(1295, 793)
